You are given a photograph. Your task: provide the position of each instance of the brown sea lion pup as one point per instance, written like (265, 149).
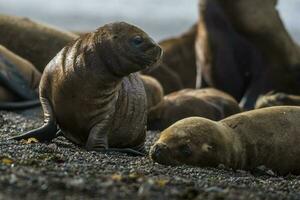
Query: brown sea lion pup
(19, 81)
(91, 91)
(209, 103)
(244, 49)
(268, 136)
(277, 99)
(179, 58)
(154, 91)
(36, 42)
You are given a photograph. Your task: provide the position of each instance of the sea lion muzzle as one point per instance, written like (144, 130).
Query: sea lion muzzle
(159, 152)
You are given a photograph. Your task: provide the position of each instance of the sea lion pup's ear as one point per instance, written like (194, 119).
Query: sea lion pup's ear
(206, 147)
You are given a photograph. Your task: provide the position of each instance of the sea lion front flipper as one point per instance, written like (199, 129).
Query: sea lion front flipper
(97, 140)
(48, 131)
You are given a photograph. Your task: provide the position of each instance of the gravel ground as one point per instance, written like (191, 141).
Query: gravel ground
(61, 170)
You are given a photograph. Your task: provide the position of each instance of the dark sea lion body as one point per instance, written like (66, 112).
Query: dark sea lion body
(208, 103)
(178, 62)
(90, 89)
(277, 99)
(19, 80)
(268, 137)
(245, 52)
(36, 42)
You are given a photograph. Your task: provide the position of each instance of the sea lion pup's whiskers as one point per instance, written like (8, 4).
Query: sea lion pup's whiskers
(90, 89)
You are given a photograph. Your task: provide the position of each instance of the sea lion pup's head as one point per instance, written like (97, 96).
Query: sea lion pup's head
(193, 141)
(125, 48)
(277, 99)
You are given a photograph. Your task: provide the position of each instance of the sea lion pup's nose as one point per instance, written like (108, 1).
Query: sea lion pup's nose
(159, 153)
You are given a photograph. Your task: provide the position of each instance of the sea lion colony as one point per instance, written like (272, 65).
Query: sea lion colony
(222, 51)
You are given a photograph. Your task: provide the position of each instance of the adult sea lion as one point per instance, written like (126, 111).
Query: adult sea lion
(277, 99)
(91, 91)
(19, 81)
(209, 103)
(246, 51)
(268, 136)
(36, 42)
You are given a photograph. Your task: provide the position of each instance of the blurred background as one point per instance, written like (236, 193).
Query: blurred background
(160, 18)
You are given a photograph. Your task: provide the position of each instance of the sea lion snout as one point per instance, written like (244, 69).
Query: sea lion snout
(160, 153)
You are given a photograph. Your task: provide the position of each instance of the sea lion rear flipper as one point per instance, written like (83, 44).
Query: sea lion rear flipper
(48, 131)
(19, 105)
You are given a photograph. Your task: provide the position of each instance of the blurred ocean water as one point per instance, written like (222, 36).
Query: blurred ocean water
(160, 18)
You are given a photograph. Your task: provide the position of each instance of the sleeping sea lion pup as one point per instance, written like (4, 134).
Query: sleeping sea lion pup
(277, 99)
(268, 136)
(91, 91)
(208, 103)
(19, 81)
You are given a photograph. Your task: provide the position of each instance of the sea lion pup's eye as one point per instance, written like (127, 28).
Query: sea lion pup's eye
(137, 40)
(185, 150)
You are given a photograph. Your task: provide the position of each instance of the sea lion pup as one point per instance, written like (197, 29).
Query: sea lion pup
(277, 99)
(36, 42)
(154, 91)
(19, 81)
(268, 136)
(209, 103)
(91, 91)
(249, 38)
(179, 58)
